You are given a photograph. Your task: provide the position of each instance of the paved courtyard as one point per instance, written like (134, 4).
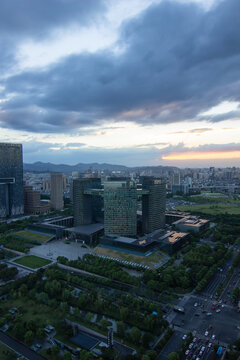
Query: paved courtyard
(55, 248)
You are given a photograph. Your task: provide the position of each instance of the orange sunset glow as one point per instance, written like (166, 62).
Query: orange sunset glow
(204, 155)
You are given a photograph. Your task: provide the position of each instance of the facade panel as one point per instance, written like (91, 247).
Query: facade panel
(120, 208)
(153, 204)
(11, 185)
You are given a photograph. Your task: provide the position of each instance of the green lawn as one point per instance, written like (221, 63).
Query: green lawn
(32, 261)
(28, 235)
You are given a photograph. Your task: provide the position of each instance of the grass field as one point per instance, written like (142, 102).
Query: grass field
(144, 260)
(28, 235)
(32, 261)
(212, 208)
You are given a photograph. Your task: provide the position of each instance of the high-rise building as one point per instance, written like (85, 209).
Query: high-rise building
(176, 180)
(57, 191)
(153, 204)
(11, 180)
(86, 206)
(120, 207)
(33, 203)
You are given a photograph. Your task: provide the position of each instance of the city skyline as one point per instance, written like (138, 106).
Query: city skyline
(130, 83)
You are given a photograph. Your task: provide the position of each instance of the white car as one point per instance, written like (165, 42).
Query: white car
(202, 348)
(209, 345)
(194, 340)
(213, 337)
(190, 346)
(218, 310)
(196, 304)
(206, 333)
(187, 352)
(184, 337)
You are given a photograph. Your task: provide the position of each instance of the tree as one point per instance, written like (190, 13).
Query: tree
(173, 356)
(152, 354)
(121, 329)
(146, 339)
(236, 293)
(55, 350)
(28, 337)
(86, 355)
(40, 333)
(135, 335)
(67, 356)
(237, 343)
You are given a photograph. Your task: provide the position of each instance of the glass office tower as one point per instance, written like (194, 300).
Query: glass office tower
(120, 207)
(11, 180)
(153, 204)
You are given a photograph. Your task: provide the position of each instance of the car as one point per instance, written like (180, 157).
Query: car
(184, 337)
(202, 348)
(218, 310)
(190, 346)
(213, 307)
(187, 352)
(206, 333)
(220, 301)
(200, 354)
(210, 345)
(196, 304)
(194, 340)
(213, 337)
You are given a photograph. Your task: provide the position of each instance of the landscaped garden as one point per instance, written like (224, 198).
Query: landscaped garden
(32, 261)
(29, 235)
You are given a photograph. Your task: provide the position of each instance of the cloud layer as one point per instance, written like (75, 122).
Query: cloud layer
(177, 61)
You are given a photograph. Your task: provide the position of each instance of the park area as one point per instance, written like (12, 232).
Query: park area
(32, 261)
(211, 204)
(33, 236)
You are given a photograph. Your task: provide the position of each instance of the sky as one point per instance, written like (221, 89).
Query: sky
(140, 82)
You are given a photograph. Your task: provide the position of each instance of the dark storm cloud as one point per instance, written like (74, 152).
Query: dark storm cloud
(36, 18)
(178, 61)
(22, 20)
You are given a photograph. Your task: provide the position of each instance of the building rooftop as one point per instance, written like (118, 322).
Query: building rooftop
(86, 229)
(175, 236)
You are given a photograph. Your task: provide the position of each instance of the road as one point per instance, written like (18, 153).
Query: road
(203, 312)
(19, 347)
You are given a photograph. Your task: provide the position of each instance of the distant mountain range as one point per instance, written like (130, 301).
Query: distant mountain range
(63, 168)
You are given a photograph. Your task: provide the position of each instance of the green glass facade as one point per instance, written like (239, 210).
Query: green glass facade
(120, 208)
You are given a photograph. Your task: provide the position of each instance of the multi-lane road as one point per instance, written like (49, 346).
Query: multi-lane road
(204, 312)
